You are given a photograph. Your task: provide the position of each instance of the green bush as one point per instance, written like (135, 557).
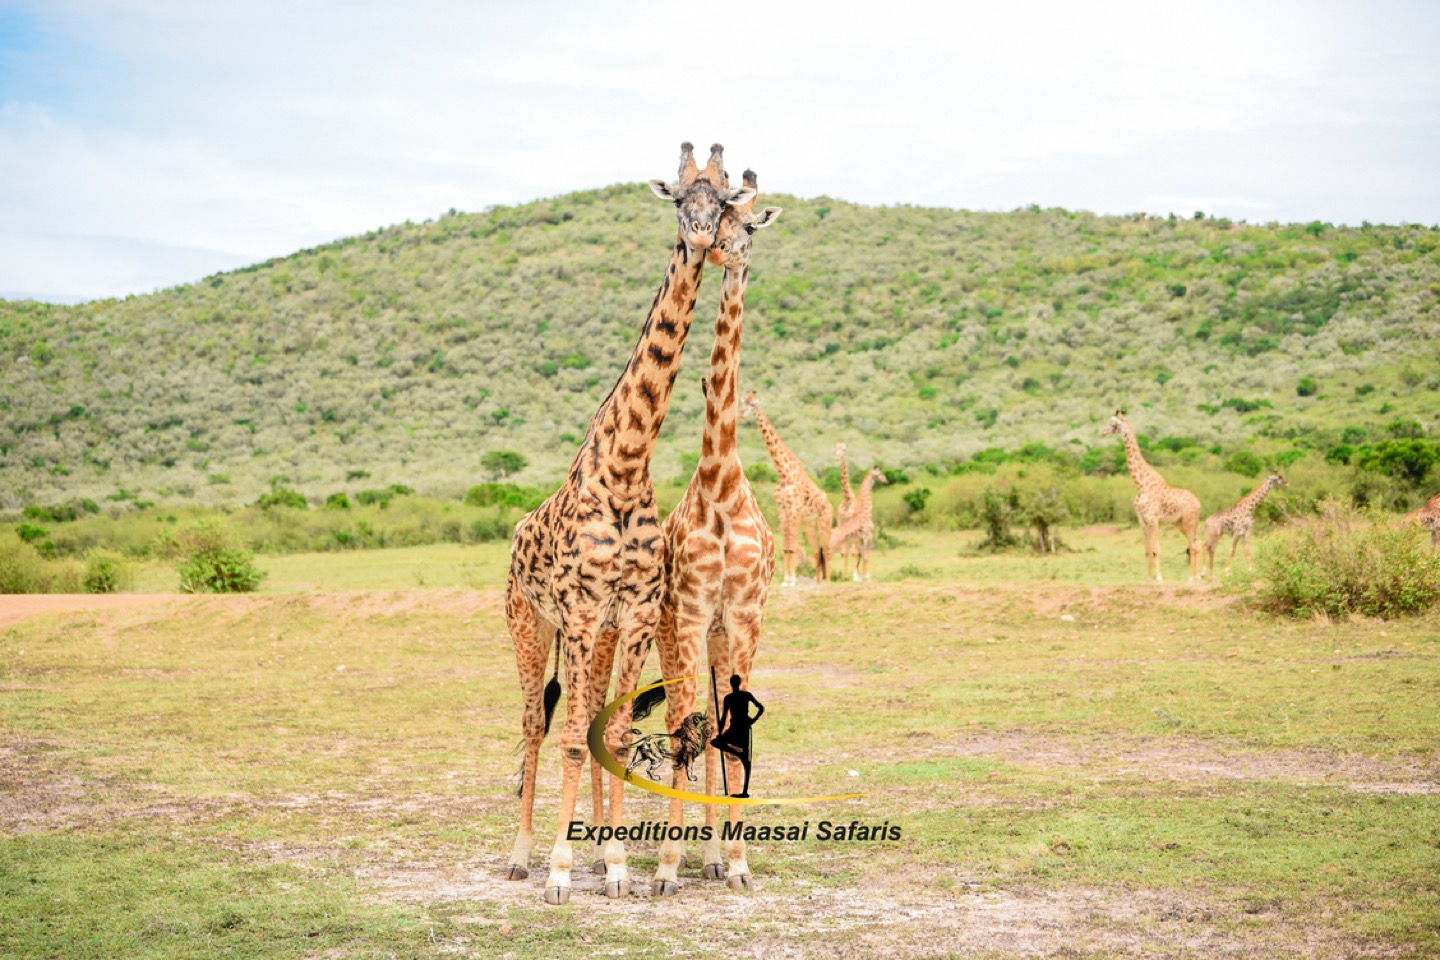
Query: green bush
(488, 529)
(337, 501)
(761, 473)
(282, 497)
(1244, 463)
(214, 561)
(24, 570)
(1307, 387)
(502, 463)
(30, 532)
(504, 494)
(1348, 562)
(106, 572)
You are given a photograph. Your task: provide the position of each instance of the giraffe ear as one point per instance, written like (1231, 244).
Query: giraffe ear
(767, 216)
(741, 196)
(662, 190)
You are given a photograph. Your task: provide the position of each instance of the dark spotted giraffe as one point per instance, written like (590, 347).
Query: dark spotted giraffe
(585, 565)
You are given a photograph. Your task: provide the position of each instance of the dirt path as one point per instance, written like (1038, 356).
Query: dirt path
(15, 607)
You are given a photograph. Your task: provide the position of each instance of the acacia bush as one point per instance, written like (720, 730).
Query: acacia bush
(213, 560)
(23, 569)
(1347, 561)
(106, 572)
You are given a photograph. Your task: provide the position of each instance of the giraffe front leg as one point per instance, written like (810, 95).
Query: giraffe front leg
(790, 536)
(743, 628)
(600, 672)
(638, 624)
(579, 640)
(1152, 552)
(679, 657)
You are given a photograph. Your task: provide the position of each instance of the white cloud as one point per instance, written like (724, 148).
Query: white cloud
(251, 130)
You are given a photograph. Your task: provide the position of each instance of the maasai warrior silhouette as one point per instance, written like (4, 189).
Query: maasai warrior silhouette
(734, 737)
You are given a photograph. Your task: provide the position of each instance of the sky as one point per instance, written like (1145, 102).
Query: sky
(146, 143)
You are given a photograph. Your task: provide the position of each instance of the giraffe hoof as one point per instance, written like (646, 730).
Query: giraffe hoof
(741, 881)
(598, 867)
(664, 888)
(713, 871)
(555, 896)
(617, 889)
(517, 873)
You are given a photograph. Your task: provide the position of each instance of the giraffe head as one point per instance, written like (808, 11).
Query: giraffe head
(840, 453)
(876, 475)
(1274, 480)
(751, 406)
(737, 225)
(700, 195)
(1118, 425)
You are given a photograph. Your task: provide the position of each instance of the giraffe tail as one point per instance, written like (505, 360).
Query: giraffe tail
(552, 689)
(646, 702)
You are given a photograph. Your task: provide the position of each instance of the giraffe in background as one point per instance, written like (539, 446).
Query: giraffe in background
(1428, 517)
(719, 557)
(1157, 502)
(801, 504)
(585, 567)
(849, 548)
(860, 528)
(1238, 522)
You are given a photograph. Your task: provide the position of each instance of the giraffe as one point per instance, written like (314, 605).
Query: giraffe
(848, 549)
(585, 565)
(860, 528)
(1157, 502)
(1428, 517)
(1237, 521)
(719, 556)
(801, 504)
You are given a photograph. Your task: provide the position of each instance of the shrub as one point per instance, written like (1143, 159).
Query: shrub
(502, 463)
(504, 494)
(30, 532)
(24, 570)
(1307, 387)
(1345, 562)
(1244, 463)
(106, 572)
(996, 511)
(337, 501)
(282, 497)
(915, 499)
(214, 561)
(488, 529)
(761, 473)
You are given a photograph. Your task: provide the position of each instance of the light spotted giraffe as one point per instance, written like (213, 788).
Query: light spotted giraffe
(859, 530)
(1428, 517)
(849, 549)
(802, 506)
(719, 557)
(585, 565)
(1237, 521)
(1157, 502)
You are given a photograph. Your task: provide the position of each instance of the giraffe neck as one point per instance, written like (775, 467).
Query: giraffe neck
(862, 499)
(1140, 471)
(624, 430)
(847, 492)
(785, 461)
(1246, 505)
(722, 400)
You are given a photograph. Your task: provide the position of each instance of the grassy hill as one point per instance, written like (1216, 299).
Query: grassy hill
(918, 335)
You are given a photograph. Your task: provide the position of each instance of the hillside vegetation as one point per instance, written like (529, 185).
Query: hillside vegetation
(921, 336)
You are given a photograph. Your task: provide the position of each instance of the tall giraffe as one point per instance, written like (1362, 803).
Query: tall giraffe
(801, 504)
(719, 556)
(849, 549)
(1237, 521)
(1157, 502)
(859, 530)
(585, 565)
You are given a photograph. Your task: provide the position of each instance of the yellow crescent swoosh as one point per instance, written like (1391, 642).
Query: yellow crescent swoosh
(596, 740)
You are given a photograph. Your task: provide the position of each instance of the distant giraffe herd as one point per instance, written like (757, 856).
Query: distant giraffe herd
(596, 578)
